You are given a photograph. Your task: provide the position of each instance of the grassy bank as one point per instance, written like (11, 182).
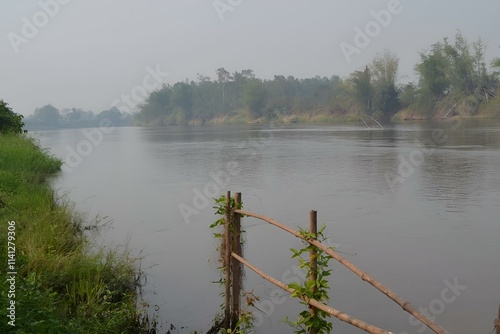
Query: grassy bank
(62, 285)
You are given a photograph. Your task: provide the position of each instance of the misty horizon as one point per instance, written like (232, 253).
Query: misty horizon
(76, 54)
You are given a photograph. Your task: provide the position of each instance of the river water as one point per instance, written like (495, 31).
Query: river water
(416, 205)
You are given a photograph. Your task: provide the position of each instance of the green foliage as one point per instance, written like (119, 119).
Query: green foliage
(245, 322)
(384, 70)
(453, 78)
(239, 95)
(182, 98)
(312, 289)
(456, 68)
(50, 117)
(63, 285)
(362, 83)
(433, 70)
(47, 114)
(254, 98)
(9, 121)
(246, 319)
(495, 63)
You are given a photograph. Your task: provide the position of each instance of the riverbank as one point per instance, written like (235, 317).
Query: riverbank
(57, 281)
(325, 115)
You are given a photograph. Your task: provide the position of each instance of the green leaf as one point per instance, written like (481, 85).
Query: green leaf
(310, 284)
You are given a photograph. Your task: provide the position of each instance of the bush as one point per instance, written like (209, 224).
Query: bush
(9, 121)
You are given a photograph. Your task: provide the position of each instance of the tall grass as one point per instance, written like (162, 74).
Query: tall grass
(62, 285)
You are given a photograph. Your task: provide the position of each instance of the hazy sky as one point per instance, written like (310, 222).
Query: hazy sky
(88, 53)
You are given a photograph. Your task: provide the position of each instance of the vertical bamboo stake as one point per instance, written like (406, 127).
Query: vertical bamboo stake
(313, 228)
(497, 322)
(227, 262)
(236, 265)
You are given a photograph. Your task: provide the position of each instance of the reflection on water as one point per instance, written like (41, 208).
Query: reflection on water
(438, 222)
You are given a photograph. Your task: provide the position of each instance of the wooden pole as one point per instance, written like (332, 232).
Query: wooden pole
(364, 276)
(313, 229)
(330, 310)
(236, 265)
(497, 322)
(227, 263)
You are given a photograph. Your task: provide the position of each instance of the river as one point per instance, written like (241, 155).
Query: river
(416, 205)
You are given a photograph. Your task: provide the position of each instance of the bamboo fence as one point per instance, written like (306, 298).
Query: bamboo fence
(233, 259)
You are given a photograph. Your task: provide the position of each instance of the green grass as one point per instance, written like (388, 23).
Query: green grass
(62, 285)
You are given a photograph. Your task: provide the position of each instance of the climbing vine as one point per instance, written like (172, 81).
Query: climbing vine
(316, 286)
(312, 289)
(246, 318)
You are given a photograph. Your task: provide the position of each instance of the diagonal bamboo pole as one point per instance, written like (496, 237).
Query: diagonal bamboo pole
(364, 276)
(313, 302)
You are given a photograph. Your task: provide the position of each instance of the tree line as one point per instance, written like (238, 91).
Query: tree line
(49, 116)
(453, 80)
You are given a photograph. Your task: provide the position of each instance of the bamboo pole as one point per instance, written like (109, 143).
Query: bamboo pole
(313, 228)
(235, 265)
(497, 322)
(364, 276)
(373, 119)
(227, 263)
(330, 310)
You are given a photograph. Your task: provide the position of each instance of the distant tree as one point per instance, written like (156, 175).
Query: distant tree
(408, 95)
(48, 115)
(454, 74)
(223, 77)
(344, 97)
(207, 103)
(182, 98)
(467, 70)
(113, 115)
(9, 121)
(362, 83)
(254, 98)
(247, 74)
(384, 74)
(202, 78)
(496, 73)
(77, 114)
(496, 63)
(281, 83)
(433, 71)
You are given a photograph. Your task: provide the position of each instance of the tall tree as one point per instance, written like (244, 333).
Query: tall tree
(433, 71)
(9, 120)
(182, 97)
(362, 84)
(254, 98)
(223, 77)
(384, 69)
(48, 115)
